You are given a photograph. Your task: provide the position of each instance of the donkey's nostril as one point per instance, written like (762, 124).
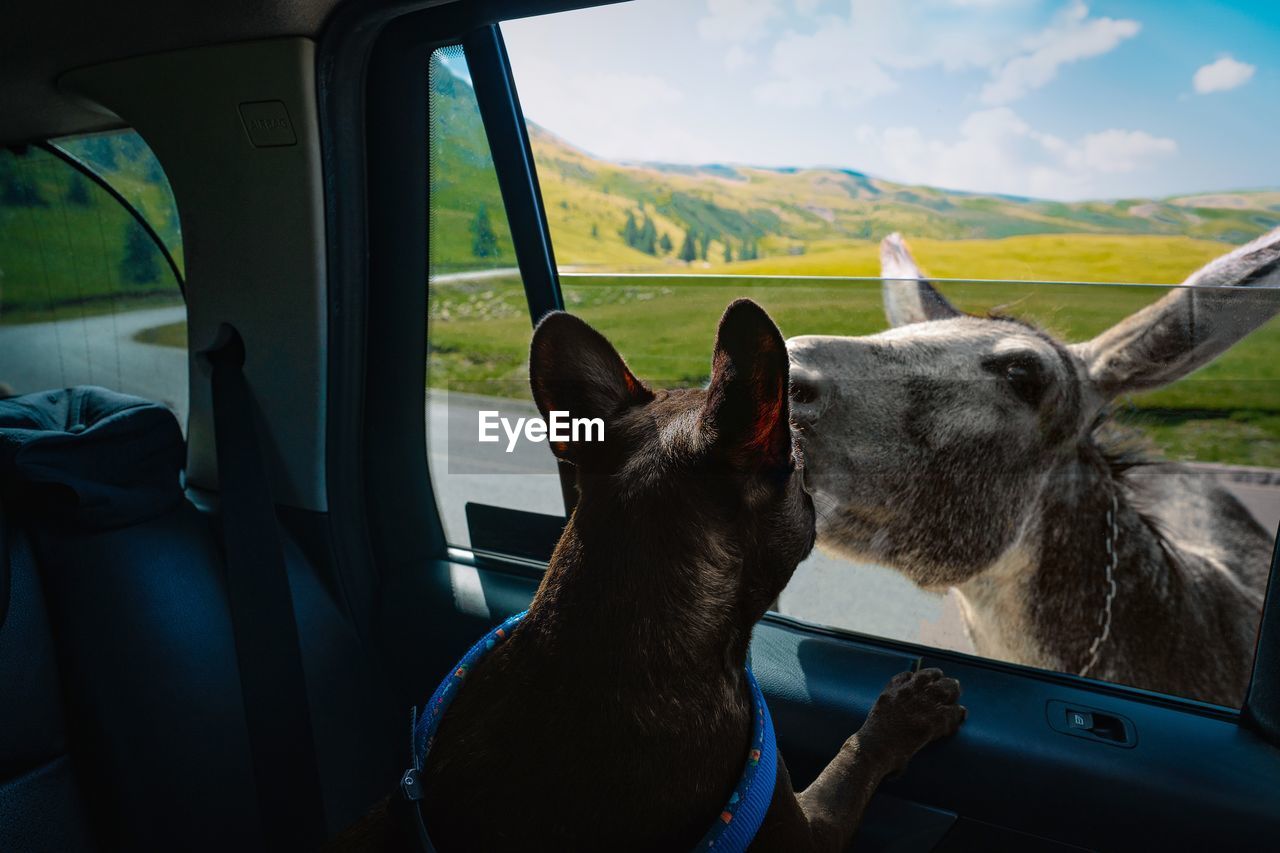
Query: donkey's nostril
(803, 392)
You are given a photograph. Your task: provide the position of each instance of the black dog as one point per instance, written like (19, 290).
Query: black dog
(618, 713)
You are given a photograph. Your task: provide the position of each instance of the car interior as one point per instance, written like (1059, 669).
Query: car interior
(233, 666)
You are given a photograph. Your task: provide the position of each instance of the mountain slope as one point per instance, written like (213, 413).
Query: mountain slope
(772, 212)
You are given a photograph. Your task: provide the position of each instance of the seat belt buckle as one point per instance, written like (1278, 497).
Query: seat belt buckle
(411, 785)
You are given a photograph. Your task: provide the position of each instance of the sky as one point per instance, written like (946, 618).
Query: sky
(1059, 99)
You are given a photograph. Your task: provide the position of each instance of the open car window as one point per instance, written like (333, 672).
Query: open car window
(478, 328)
(986, 481)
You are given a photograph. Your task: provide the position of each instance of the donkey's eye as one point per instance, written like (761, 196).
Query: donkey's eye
(1026, 380)
(1024, 375)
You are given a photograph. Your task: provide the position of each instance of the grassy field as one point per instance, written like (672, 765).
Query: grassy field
(664, 325)
(1128, 259)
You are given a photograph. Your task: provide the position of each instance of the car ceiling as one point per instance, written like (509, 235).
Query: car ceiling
(41, 40)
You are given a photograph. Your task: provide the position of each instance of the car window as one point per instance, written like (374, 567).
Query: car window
(86, 295)
(478, 329)
(124, 161)
(1058, 457)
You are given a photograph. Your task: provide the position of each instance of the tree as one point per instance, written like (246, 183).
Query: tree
(664, 243)
(630, 231)
(77, 190)
(484, 243)
(704, 244)
(688, 251)
(595, 231)
(17, 187)
(647, 239)
(139, 264)
(728, 252)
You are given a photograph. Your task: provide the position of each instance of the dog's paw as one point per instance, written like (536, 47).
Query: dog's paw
(914, 709)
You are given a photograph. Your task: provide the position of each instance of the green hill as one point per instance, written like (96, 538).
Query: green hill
(769, 213)
(791, 212)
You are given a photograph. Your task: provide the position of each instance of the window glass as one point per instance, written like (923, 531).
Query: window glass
(125, 161)
(985, 481)
(86, 296)
(479, 329)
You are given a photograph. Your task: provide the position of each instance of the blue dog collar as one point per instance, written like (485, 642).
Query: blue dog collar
(733, 829)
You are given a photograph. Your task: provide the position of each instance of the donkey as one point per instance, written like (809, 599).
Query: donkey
(976, 453)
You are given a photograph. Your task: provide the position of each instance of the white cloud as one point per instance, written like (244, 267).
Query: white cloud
(599, 112)
(637, 90)
(1118, 151)
(1222, 75)
(1072, 36)
(855, 57)
(807, 69)
(740, 21)
(852, 59)
(997, 151)
(736, 57)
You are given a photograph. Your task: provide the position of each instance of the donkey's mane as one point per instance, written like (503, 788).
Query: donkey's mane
(1000, 317)
(1123, 451)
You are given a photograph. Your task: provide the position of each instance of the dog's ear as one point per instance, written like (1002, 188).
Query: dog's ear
(747, 407)
(574, 369)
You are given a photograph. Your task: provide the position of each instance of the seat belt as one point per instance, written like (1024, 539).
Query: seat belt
(272, 680)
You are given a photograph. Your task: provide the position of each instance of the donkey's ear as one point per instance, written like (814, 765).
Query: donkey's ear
(747, 407)
(1190, 326)
(574, 369)
(908, 296)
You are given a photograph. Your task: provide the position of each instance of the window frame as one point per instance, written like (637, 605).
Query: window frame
(372, 64)
(378, 336)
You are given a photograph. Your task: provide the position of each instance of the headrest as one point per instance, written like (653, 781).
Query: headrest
(89, 457)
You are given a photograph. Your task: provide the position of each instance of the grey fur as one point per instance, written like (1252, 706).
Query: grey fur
(928, 450)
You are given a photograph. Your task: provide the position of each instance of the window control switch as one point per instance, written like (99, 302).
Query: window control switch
(1091, 724)
(1079, 720)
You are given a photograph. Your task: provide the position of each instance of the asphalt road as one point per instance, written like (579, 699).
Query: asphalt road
(826, 590)
(97, 350)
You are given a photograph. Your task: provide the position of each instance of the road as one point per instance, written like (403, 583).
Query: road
(826, 590)
(98, 350)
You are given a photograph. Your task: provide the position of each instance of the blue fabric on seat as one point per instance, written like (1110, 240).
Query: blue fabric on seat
(90, 456)
(129, 584)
